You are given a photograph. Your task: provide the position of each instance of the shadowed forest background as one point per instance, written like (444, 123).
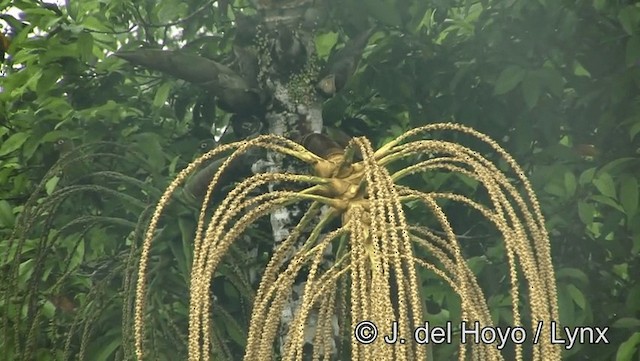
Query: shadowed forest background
(102, 103)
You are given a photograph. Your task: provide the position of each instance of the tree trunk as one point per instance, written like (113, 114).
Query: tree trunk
(275, 79)
(296, 110)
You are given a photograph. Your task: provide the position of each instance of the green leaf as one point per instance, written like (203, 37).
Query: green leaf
(92, 23)
(324, 44)
(108, 345)
(586, 212)
(7, 218)
(604, 183)
(85, 45)
(170, 10)
(587, 176)
(633, 297)
(14, 142)
(187, 230)
(72, 8)
(531, 88)
(48, 79)
(234, 330)
(25, 270)
(635, 129)
(629, 195)
(615, 164)
(577, 296)
(510, 77)
(162, 94)
(600, 4)
(151, 145)
(573, 273)
(606, 200)
(552, 80)
(566, 306)
(78, 255)
(632, 52)
(629, 17)
(48, 309)
(626, 322)
(570, 183)
(628, 348)
(51, 184)
(555, 189)
(579, 70)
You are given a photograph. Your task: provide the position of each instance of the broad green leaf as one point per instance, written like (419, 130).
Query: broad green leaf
(469, 181)
(72, 8)
(78, 255)
(477, 264)
(170, 10)
(606, 200)
(636, 245)
(555, 189)
(162, 94)
(587, 176)
(573, 273)
(629, 195)
(25, 270)
(586, 212)
(150, 145)
(108, 344)
(577, 296)
(51, 184)
(85, 45)
(187, 230)
(626, 322)
(14, 142)
(324, 44)
(629, 17)
(426, 20)
(60, 51)
(93, 23)
(235, 331)
(37, 11)
(579, 70)
(622, 270)
(508, 79)
(552, 80)
(632, 52)
(570, 183)
(7, 218)
(566, 306)
(48, 309)
(600, 4)
(604, 183)
(633, 297)
(531, 88)
(635, 129)
(614, 164)
(48, 79)
(54, 135)
(75, 28)
(628, 348)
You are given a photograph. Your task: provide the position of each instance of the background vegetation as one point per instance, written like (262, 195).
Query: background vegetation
(87, 142)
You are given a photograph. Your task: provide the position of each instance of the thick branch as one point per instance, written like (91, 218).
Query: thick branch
(234, 92)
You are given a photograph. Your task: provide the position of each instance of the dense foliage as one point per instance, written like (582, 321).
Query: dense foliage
(87, 141)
